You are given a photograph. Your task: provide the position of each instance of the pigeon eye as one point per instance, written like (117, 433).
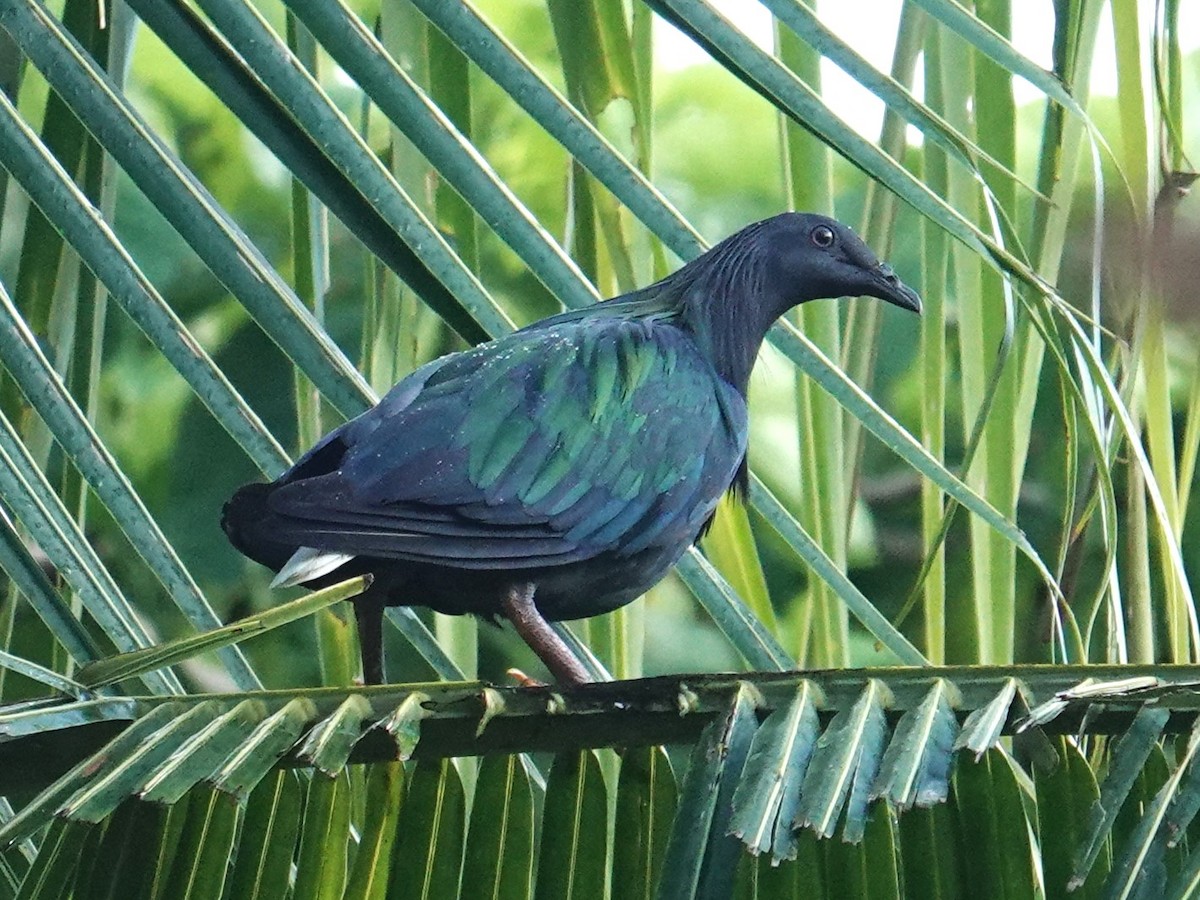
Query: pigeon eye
(822, 236)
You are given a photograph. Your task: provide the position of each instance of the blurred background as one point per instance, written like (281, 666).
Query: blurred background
(723, 155)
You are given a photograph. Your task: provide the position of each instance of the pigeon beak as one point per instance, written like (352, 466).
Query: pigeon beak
(890, 288)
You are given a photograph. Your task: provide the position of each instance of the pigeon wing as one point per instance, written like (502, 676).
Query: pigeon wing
(547, 447)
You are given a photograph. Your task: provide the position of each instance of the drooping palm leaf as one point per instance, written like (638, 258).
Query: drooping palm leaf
(835, 752)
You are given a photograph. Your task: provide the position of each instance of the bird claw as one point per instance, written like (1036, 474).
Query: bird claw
(524, 680)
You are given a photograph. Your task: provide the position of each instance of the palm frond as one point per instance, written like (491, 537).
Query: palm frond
(774, 756)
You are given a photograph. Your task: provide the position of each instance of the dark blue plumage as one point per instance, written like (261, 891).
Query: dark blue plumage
(570, 463)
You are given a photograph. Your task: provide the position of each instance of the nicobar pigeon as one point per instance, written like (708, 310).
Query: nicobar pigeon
(560, 471)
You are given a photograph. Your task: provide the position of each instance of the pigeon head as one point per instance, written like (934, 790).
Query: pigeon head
(810, 257)
(730, 296)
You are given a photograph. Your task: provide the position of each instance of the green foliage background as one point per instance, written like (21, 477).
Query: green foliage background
(715, 155)
(185, 465)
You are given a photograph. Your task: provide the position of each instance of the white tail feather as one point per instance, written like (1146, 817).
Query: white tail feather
(308, 563)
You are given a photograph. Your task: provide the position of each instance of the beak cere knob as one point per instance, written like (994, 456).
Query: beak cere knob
(895, 291)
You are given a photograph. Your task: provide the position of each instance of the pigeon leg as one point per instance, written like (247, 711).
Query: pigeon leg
(368, 611)
(537, 633)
